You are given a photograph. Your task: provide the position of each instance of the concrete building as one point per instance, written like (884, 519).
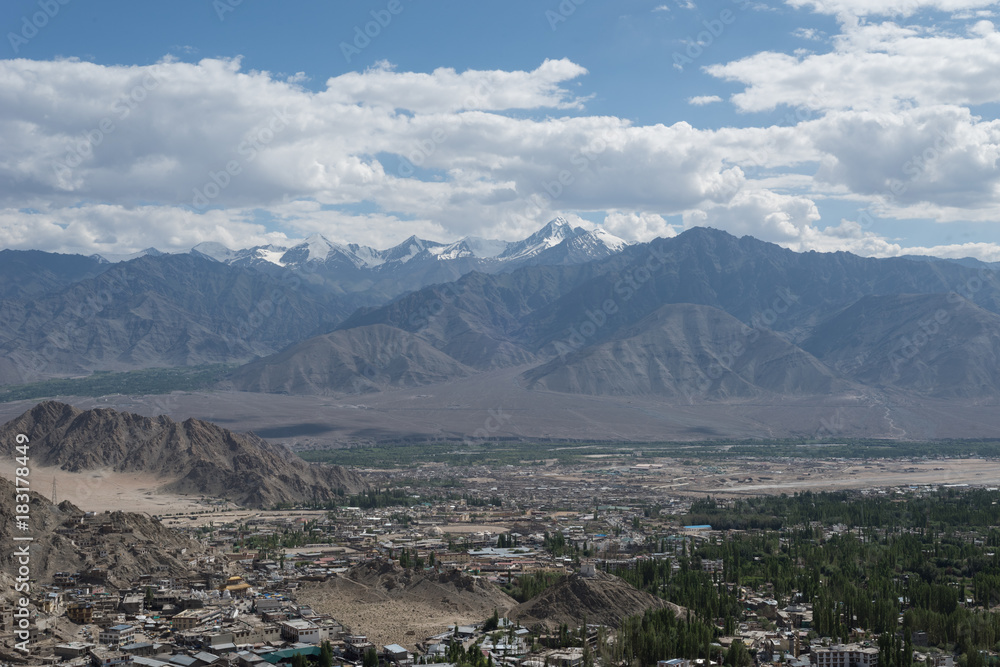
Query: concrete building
(397, 655)
(845, 655)
(300, 630)
(116, 635)
(72, 649)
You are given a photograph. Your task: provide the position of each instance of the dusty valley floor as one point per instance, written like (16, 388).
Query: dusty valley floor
(494, 405)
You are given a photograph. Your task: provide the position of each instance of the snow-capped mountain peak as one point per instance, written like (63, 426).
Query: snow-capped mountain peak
(317, 249)
(409, 249)
(551, 235)
(612, 242)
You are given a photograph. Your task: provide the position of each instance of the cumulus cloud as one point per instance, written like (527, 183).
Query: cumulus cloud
(767, 215)
(638, 225)
(111, 228)
(445, 90)
(887, 7)
(115, 159)
(207, 136)
(942, 156)
(873, 66)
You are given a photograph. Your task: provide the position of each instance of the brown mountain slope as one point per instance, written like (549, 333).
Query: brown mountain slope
(359, 360)
(191, 457)
(168, 310)
(688, 351)
(603, 599)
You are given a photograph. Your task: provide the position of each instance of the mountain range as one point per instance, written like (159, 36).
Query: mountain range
(557, 239)
(702, 317)
(68, 315)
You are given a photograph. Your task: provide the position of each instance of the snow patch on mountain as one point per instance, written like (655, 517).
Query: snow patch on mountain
(317, 248)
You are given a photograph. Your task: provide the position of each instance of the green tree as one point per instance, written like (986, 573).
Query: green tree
(738, 655)
(492, 623)
(370, 658)
(326, 654)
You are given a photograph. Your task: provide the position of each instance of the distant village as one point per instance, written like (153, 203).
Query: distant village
(241, 605)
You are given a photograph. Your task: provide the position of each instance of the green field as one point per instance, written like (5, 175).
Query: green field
(102, 383)
(411, 453)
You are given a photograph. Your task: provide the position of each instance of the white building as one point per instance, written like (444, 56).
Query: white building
(300, 630)
(117, 635)
(845, 655)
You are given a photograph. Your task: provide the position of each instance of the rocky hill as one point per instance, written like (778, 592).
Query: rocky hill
(604, 599)
(122, 545)
(193, 457)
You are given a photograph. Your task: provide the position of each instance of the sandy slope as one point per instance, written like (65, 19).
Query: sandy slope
(389, 604)
(101, 490)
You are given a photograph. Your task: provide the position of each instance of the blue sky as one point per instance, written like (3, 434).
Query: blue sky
(862, 125)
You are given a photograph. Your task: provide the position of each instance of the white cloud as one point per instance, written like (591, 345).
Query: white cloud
(445, 90)
(764, 214)
(638, 225)
(811, 34)
(887, 7)
(105, 228)
(702, 100)
(987, 252)
(111, 157)
(943, 156)
(873, 66)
